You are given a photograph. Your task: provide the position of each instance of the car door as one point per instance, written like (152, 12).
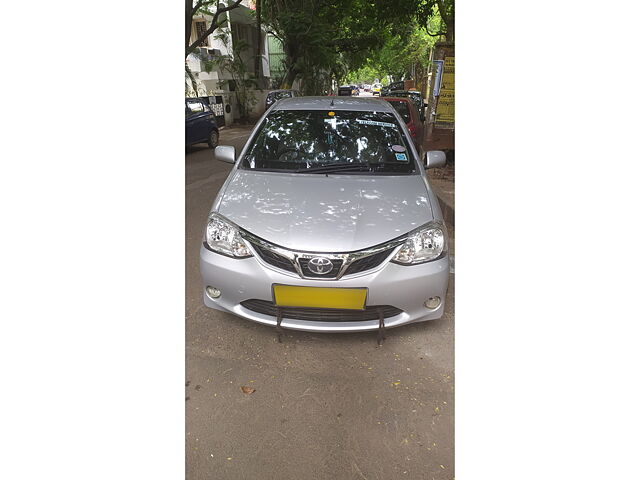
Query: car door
(197, 125)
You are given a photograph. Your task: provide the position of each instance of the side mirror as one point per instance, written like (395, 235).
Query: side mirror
(225, 153)
(434, 159)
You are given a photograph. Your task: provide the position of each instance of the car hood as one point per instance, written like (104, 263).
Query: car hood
(319, 213)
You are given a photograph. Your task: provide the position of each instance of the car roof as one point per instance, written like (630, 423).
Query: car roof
(406, 91)
(367, 104)
(398, 99)
(405, 100)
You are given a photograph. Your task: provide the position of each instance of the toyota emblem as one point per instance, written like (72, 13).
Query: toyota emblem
(320, 265)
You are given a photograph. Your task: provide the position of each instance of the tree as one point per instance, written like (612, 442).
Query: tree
(444, 13)
(324, 39)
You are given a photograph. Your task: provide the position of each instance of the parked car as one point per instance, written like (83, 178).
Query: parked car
(327, 222)
(367, 87)
(407, 110)
(345, 91)
(274, 96)
(375, 88)
(414, 95)
(200, 122)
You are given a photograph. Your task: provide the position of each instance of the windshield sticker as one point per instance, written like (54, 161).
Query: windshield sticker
(331, 121)
(402, 157)
(371, 122)
(398, 148)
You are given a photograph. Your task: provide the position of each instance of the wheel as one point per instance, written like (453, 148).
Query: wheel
(213, 139)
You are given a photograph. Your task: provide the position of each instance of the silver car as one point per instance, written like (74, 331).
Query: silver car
(326, 222)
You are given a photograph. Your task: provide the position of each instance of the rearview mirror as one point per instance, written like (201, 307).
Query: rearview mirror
(225, 153)
(434, 159)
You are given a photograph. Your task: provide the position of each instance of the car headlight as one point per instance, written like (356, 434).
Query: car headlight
(426, 244)
(224, 237)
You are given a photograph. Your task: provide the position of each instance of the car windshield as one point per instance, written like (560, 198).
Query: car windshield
(402, 108)
(300, 140)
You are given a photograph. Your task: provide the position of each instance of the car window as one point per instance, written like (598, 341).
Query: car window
(402, 108)
(194, 107)
(301, 139)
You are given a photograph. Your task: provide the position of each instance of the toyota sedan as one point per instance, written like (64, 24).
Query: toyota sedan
(327, 222)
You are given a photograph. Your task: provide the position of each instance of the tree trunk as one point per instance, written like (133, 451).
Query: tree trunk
(188, 22)
(194, 84)
(291, 76)
(259, 52)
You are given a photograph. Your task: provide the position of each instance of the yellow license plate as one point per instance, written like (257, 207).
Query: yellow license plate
(319, 297)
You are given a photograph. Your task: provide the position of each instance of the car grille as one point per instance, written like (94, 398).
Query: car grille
(367, 263)
(275, 259)
(321, 314)
(273, 255)
(304, 264)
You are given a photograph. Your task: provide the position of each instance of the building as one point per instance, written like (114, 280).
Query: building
(218, 84)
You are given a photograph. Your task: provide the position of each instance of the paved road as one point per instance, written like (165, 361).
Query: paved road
(332, 406)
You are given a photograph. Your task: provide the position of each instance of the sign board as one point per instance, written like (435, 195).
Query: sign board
(436, 86)
(446, 101)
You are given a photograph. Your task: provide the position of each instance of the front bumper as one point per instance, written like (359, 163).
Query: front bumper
(403, 287)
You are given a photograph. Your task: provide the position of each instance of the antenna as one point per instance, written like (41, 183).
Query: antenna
(331, 103)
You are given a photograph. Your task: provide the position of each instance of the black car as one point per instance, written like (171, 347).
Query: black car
(200, 123)
(345, 91)
(274, 96)
(348, 91)
(414, 95)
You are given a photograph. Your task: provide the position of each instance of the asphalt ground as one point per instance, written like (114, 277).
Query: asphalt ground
(325, 406)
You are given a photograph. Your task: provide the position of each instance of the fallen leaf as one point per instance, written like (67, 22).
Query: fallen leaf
(247, 390)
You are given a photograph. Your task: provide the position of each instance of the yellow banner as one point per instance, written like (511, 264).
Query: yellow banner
(446, 100)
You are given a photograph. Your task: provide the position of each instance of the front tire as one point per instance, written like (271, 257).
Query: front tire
(213, 139)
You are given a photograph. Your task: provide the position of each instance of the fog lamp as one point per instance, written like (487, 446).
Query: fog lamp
(213, 292)
(432, 302)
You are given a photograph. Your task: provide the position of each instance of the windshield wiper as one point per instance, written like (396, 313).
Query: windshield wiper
(336, 167)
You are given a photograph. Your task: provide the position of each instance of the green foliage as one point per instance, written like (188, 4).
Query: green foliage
(354, 40)
(324, 39)
(402, 54)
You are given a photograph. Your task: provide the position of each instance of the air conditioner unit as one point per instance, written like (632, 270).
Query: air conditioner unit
(194, 64)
